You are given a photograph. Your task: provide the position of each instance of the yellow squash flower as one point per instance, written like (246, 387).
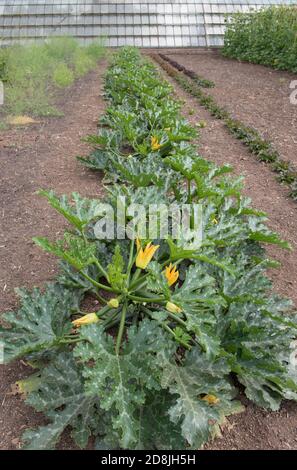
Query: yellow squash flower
(171, 274)
(86, 320)
(171, 307)
(113, 303)
(155, 145)
(144, 257)
(211, 399)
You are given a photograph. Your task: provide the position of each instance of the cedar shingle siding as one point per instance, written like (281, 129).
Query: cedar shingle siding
(153, 23)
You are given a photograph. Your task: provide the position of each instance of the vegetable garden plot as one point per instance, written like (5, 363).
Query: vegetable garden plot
(162, 370)
(259, 98)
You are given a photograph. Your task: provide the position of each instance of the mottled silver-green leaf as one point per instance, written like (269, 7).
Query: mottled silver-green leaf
(190, 382)
(41, 321)
(73, 249)
(79, 212)
(118, 379)
(62, 398)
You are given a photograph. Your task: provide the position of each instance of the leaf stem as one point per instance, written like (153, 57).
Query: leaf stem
(98, 284)
(177, 319)
(130, 262)
(70, 341)
(121, 328)
(168, 329)
(138, 281)
(100, 267)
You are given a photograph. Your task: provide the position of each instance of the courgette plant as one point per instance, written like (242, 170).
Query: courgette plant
(179, 329)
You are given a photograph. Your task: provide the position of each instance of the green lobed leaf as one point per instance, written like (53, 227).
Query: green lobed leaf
(41, 321)
(62, 398)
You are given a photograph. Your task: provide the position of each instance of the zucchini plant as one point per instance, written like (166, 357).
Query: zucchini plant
(179, 329)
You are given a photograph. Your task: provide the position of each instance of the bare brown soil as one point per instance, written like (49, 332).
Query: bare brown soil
(255, 428)
(42, 155)
(258, 96)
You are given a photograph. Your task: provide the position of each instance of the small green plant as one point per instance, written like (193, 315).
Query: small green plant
(3, 63)
(95, 49)
(83, 62)
(62, 48)
(202, 124)
(3, 126)
(63, 76)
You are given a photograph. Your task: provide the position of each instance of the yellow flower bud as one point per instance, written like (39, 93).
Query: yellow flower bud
(114, 303)
(171, 274)
(86, 320)
(155, 145)
(144, 257)
(211, 399)
(171, 307)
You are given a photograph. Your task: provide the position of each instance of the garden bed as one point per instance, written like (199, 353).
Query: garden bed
(39, 156)
(40, 164)
(256, 95)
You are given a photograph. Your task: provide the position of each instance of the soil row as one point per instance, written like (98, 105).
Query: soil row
(40, 156)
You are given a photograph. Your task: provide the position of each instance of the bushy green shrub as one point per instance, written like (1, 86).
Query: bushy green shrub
(267, 37)
(3, 61)
(27, 77)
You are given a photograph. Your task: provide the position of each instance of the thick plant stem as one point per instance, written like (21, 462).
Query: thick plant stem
(189, 191)
(70, 341)
(121, 328)
(130, 262)
(176, 319)
(168, 329)
(101, 269)
(138, 282)
(136, 275)
(155, 300)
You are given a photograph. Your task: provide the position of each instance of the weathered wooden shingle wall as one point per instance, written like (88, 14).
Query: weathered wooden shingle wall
(144, 23)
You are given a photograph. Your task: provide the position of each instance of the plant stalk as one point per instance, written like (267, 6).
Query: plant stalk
(121, 328)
